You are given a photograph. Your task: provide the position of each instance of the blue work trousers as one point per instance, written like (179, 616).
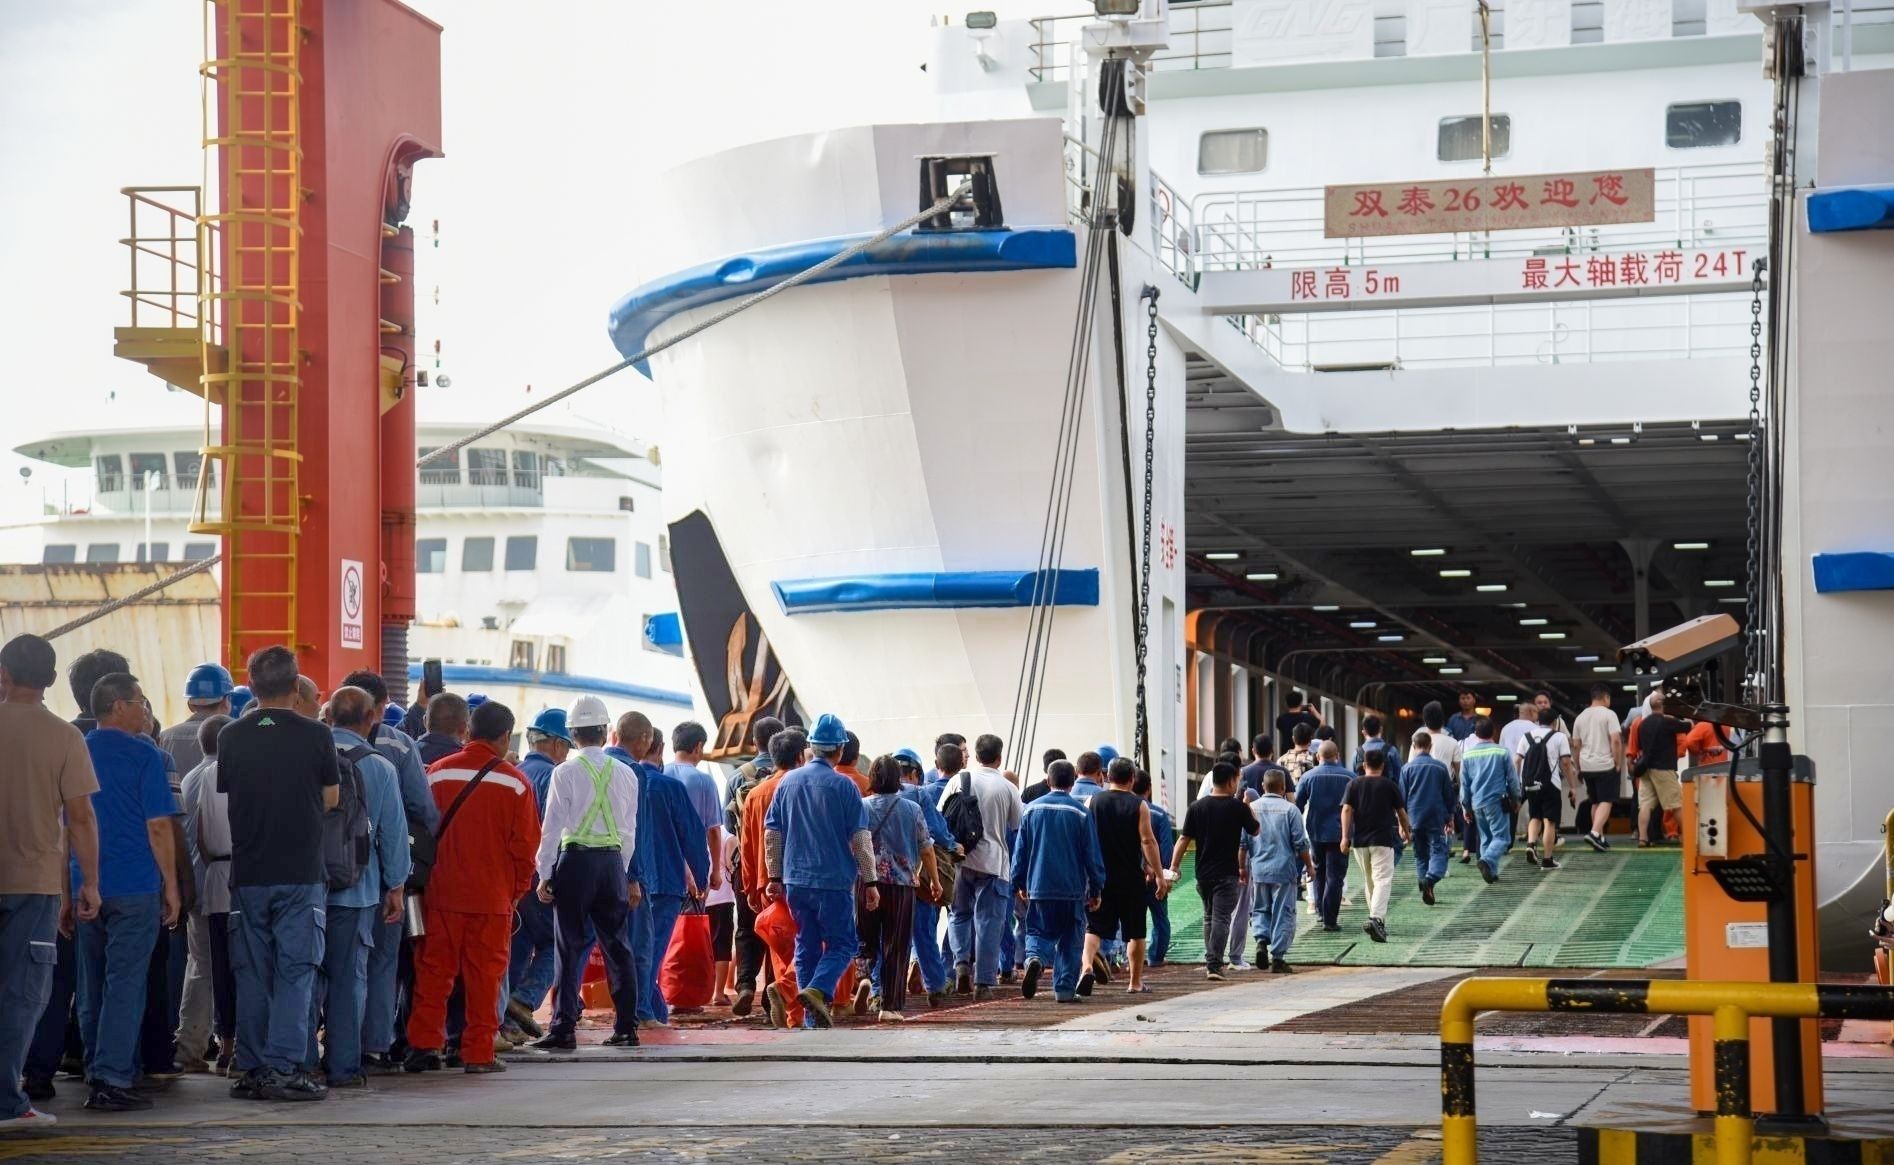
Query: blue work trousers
(1496, 831)
(29, 926)
(826, 938)
(114, 967)
(981, 916)
(533, 966)
(1055, 935)
(1273, 917)
(1331, 870)
(383, 989)
(589, 898)
(58, 1022)
(341, 992)
(927, 951)
(651, 926)
(1159, 950)
(276, 948)
(1430, 854)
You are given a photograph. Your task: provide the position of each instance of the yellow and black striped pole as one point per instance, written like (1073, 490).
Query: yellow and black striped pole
(1731, 1006)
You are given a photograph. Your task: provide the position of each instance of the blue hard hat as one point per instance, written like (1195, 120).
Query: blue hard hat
(240, 698)
(909, 755)
(829, 732)
(552, 722)
(1107, 753)
(475, 699)
(393, 715)
(208, 681)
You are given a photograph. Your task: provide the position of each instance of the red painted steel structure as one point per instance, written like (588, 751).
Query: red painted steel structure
(367, 108)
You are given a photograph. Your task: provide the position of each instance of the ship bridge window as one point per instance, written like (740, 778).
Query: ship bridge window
(59, 552)
(486, 467)
(102, 552)
(1696, 125)
(446, 471)
(522, 552)
(476, 554)
(1459, 139)
(110, 468)
(979, 210)
(592, 554)
(526, 468)
(188, 466)
(430, 556)
(556, 658)
(523, 656)
(641, 558)
(1233, 151)
(145, 465)
(199, 551)
(155, 552)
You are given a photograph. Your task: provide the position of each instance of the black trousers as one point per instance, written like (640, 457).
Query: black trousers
(886, 933)
(1219, 905)
(750, 950)
(223, 984)
(588, 886)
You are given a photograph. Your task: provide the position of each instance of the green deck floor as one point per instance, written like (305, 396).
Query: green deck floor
(1618, 909)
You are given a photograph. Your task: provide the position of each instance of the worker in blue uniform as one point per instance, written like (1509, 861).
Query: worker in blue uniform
(927, 954)
(670, 841)
(1165, 830)
(1059, 873)
(531, 970)
(816, 848)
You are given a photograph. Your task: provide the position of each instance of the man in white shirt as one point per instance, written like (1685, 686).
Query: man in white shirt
(1527, 716)
(1543, 756)
(982, 908)
(585, 852)
(1600, 761)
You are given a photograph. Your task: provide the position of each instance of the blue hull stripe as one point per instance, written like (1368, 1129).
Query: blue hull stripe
(586, 685)
(638, 314)
(933, 591)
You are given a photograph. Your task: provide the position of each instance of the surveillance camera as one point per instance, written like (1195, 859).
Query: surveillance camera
(26, 471)
(443, 381)
(1682, 648)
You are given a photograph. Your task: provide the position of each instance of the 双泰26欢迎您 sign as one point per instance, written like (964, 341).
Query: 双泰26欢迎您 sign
(1490, 203)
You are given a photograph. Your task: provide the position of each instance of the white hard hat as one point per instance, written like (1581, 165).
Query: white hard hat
(587, 712)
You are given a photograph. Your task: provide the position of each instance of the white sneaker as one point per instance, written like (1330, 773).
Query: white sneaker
(31, 1119)
(890, 1017)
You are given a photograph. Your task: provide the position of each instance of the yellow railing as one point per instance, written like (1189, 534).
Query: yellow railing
(1731, 1005)
(168, 268)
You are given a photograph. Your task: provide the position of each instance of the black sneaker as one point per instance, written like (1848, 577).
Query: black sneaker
(1085, 983)
(423, 1060)
(1029, 985)
(1486, 871)
(37, 1087)
(1598, 843)
(249, 1086)
(1281, 967)
(1466, 857)
(1377, 930)
(554, 1042)
(297, 1085)
(1213, 974)
(1262, 955)
(379, 1064)
(106, 1098)
(1532, 855)
(1332, 927)
(522, 1015)
(936, 1000)
(1427, 893)
(982, 993)
(624, 1039)
(1548, 864)
(1007, 978)
(963, 980)
(744, 1003)
(359, 1080)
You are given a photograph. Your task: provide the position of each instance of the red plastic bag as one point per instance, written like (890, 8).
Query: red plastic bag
(690, 965)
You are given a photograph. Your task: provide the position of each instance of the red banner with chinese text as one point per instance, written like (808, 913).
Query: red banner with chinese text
(1490, 203)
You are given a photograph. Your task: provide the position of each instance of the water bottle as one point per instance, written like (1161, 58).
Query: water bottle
(411, 919)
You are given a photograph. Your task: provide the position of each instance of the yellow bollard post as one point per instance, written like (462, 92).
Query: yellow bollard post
(1735, 1124)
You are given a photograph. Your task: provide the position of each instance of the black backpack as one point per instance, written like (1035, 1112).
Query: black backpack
(1535, 772)
(963, 815)
(346, 843)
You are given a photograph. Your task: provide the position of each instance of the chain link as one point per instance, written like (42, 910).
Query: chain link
(1144, 560)
(1753, 682)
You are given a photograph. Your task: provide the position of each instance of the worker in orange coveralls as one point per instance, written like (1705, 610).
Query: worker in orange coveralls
(483, 862)
(774, 925)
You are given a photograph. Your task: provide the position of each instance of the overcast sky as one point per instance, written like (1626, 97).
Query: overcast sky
(555, 122)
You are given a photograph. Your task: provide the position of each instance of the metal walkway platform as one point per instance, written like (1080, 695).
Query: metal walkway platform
(1620, 909)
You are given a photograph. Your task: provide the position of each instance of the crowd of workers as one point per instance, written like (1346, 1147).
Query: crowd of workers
(301, 892)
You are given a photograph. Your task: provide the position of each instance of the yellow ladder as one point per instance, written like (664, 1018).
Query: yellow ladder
(250, 310)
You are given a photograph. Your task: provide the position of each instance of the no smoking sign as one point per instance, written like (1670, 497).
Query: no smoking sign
(352, 604)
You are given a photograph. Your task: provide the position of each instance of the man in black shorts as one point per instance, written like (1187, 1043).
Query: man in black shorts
(1123, 821)
(1217, 824)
